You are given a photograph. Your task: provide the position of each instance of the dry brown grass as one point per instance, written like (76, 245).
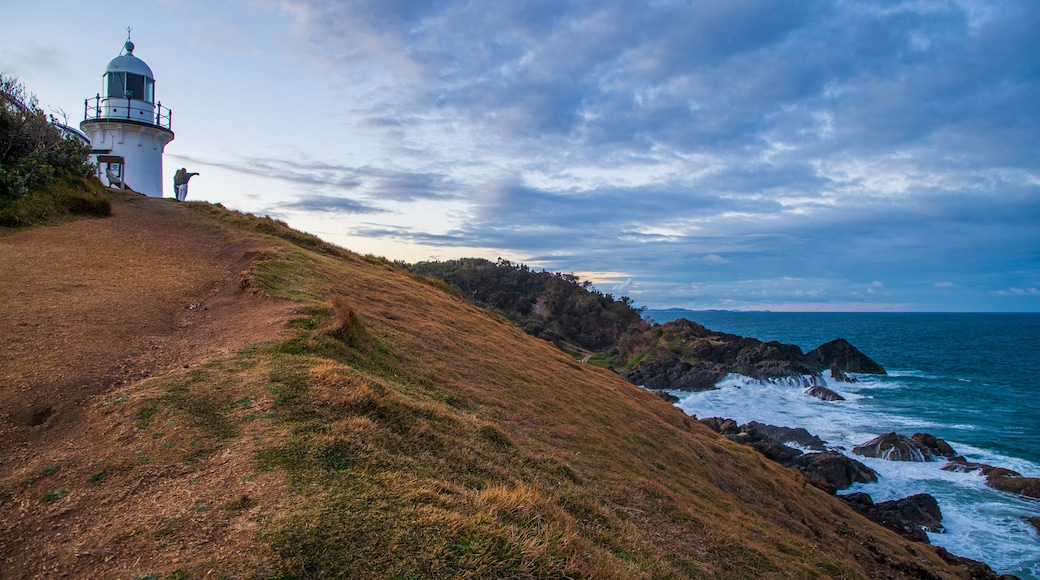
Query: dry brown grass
(399, 432)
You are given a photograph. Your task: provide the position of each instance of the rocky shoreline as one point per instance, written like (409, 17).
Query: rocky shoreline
(689, 357)
(698, 359)
(911, 517)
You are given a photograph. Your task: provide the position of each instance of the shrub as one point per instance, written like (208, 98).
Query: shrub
(348, 326)
(33, 151)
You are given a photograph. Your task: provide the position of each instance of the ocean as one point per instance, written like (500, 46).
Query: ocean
(971, 379)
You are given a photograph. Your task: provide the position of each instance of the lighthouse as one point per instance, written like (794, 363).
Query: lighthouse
(127, 128)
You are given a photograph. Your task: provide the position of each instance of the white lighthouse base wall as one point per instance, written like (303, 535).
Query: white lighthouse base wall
(141, 148)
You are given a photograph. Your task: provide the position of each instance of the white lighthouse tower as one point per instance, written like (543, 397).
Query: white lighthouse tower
(127, 128)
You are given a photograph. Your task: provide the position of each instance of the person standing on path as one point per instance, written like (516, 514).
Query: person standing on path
(180, 183)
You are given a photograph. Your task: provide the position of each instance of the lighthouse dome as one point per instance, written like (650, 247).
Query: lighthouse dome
(128, 63)
(128, 77)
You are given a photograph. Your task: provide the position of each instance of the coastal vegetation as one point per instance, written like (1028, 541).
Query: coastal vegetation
(557, 307)
(610, 332)
(44, 174)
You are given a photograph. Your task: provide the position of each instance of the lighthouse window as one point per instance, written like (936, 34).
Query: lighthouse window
(135, 86)
(123, 85)
(116, 85)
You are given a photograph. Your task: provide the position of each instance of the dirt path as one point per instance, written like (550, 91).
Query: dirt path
(96, 303)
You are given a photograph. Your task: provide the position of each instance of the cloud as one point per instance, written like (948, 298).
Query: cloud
(325, 203)
(34, 55)
(732, 143)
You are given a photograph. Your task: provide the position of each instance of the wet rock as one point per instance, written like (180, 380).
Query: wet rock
(773, 450)
(937, 447)
(895, 447)
(832, 471)
(975, 570)
(689, 357)
(843, 356)
(666, 396)
(999, 478)
(840, 376)
(675, 375)
(789, 435)
(757, 436)
(910, 516)
(1011, 482)
(824, 393)
(1035, 522)
(960, 464)
(721, 426)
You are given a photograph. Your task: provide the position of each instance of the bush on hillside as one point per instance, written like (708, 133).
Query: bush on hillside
(553, 306)
(43, 174)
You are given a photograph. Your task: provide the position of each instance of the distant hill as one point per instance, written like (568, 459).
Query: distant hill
(190, 392)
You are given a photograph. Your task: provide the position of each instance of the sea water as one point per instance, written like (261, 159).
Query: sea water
(971, 379)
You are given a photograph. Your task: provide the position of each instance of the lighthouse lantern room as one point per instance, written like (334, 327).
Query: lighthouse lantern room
(127, 128)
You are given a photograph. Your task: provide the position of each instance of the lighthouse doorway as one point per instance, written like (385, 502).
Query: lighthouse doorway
(111, 169)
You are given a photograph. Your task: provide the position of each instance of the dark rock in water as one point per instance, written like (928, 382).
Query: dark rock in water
(1011, 482)
(1035, 522)
(975, 570)
(909, 517)
(890, 446)
(829, 471)
(858, 500)
(841, 355)
(824, 393)
(833, 471)
(998, 478)
(666, 396)
(920, 509)
(676, 375)
(757, 436)
(773, 450)
(995, 472)
(689, 357)
(962, 465)
(895, 447)
(840, 376)
(938, 447)
(685, 356)
(787, 435)
(720, 425)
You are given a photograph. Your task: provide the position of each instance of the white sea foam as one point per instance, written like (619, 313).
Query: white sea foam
(981, 523)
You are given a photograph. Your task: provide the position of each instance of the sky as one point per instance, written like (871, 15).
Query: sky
(734, 154)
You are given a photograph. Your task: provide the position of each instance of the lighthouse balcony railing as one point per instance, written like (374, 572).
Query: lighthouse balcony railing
(96, 109)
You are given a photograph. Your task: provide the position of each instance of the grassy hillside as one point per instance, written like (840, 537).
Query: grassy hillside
(395, 431)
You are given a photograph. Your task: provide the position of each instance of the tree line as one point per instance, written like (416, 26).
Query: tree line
(557, 307)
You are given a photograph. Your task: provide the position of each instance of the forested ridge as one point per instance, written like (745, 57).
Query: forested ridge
(550, 305)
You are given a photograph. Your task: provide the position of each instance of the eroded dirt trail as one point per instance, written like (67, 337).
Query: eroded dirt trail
(96, 303)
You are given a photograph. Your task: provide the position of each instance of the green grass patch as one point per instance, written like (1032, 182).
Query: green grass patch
(602, 360)
(633, 362)
(143, 417)
(241, 504)
(55, 495)
(63, 199)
